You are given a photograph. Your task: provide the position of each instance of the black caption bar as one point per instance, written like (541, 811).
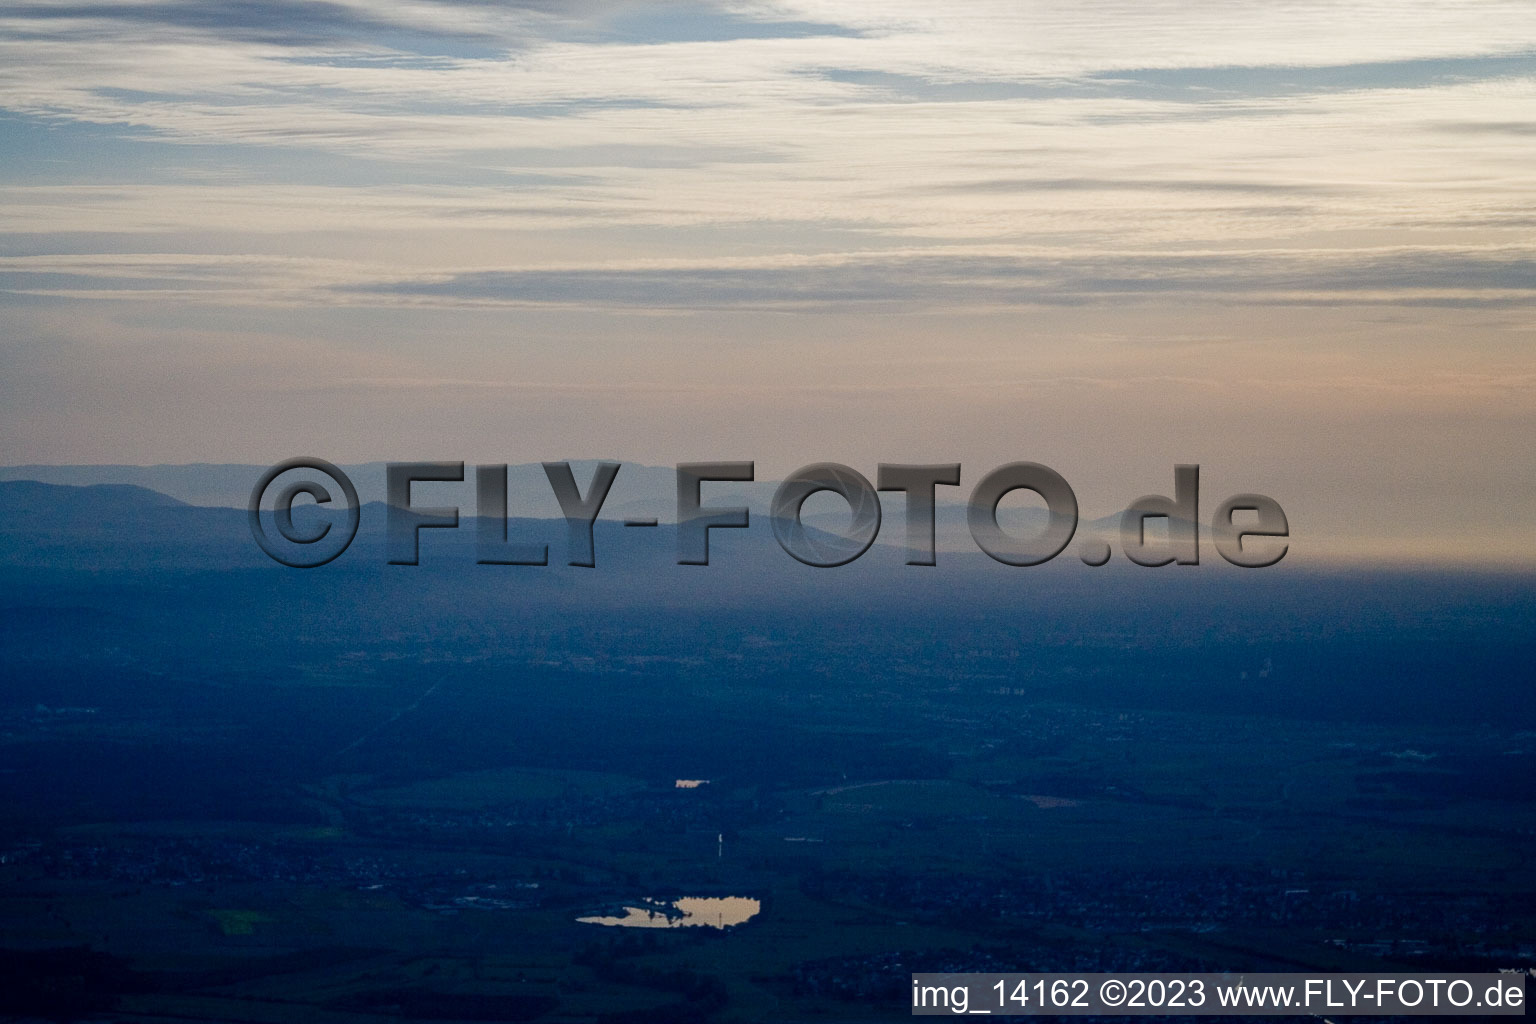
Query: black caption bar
(1267, 995)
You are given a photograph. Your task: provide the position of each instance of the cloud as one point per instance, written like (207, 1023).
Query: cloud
(1487, 127)
(555, 140)
(279, 22)
(1434, 278)
(912, 280)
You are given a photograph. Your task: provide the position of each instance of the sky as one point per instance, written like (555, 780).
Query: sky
(1292, 242)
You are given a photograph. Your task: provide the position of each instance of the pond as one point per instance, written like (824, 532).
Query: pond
(687, 912)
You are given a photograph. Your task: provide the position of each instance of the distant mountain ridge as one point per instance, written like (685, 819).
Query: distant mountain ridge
(35, 496)
(639, 492)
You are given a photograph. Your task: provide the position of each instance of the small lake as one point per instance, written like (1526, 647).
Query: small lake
(688, 912)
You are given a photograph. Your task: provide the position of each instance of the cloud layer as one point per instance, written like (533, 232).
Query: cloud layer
(1102, 131)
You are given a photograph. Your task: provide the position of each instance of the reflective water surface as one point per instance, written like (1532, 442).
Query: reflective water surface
(687, 912)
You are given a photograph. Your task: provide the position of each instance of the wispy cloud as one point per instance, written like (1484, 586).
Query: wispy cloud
(912, 279)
